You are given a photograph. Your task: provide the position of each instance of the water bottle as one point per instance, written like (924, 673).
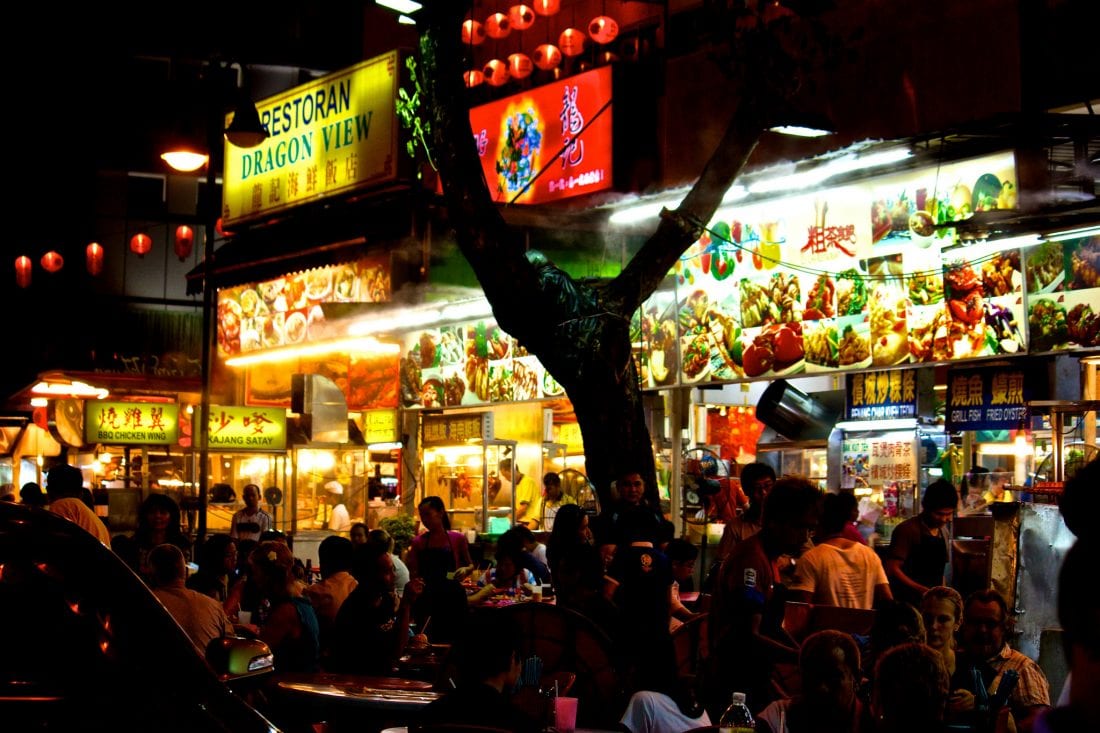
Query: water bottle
(737, 718)
(981, 703)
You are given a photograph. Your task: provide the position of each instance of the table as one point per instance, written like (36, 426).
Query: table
(391, 694)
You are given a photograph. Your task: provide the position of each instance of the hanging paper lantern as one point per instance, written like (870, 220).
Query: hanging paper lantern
(140, 244)
(547, 56)
(498, 26)
(473, 34)
(521, 17)
(473, 77)
(52, 261)
(547, 7)
(603, 29)
(221, 229)
(571, 42)
(496, 72)
(93, 258)
(185, 240)
(520, 66)
(23, 267)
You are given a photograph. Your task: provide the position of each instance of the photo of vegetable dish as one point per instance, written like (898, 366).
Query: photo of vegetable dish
(1046, 324)
(851, 293)
(925, 288)
(775, 300)
(820, 343)
(854, 348)
(1045, 267)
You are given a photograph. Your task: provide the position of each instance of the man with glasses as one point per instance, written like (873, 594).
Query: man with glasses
(918, 553)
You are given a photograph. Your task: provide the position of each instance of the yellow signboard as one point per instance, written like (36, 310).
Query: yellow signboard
(247, 428)
(142, 423)
(325, 138)
(380, 426)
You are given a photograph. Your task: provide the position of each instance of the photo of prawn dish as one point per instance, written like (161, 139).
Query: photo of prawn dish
(889, 334)
(821, 300)
(777, 350)
(777, 299)
(1045, 268)
(1001, 274)
(821, 345)
(963, 290)
(854, 347)
(1085, 264)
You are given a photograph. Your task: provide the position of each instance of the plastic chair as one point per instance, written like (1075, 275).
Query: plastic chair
(453, 728)
(689, 641)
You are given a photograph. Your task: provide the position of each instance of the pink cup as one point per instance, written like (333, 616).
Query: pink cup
(565, 713)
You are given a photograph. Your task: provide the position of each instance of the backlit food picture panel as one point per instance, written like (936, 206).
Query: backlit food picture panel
(870, 275)
(1063, 294)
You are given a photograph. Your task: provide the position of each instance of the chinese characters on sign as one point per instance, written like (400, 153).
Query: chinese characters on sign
(247, 428)
(879, 459)
(986, 399)
(448, 429)
(146, 423)
(882, 395)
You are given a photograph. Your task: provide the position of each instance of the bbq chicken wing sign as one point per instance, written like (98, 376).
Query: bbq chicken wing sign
(548, 143)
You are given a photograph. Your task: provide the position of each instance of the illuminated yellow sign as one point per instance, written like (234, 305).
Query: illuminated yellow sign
(142, 423)
(247, 428)
(380, 426)
(328, 137)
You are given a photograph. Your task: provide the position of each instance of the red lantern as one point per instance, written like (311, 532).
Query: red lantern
(521, 17)
(140, 244)
(547, 7)
(473, 77)
(496, 72)
(498, 26)
(473, 34)
(185, 240)
(93, 258)
(23, 267)
(603, 29)
(547, 56)
(520, 66)
(571, 42)
(52, 261)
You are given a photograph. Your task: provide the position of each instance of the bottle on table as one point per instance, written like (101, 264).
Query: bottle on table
(737, 718)
(981, 703)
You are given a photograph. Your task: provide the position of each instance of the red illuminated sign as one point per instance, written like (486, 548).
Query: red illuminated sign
(548, 143)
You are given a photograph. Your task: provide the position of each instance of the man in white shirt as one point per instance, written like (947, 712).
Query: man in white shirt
(252, 521)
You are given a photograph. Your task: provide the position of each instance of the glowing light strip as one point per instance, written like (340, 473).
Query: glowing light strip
(358, 345)
(800, 131)
(400, 6)
(1072, 234)
(642, 212)
(904, 423)
(69, 389)
(422, 317)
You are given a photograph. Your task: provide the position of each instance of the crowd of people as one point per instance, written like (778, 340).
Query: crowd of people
(932, 661)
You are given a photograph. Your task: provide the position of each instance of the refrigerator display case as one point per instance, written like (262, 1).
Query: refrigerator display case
(466, 476)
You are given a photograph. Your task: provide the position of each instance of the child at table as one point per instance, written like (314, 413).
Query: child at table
(508, 577)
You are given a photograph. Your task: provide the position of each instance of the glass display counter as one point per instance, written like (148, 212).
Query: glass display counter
(467, 477)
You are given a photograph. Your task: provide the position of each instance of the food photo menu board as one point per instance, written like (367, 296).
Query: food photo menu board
(470, 364)
(824, 283)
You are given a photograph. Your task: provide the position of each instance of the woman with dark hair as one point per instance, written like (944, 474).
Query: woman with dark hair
(217, 573)
(570, 528)
(441, 556)
(290, 628)
(910, 690)
(158, 524)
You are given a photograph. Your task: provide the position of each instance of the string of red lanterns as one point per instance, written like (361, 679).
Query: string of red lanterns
(602, 29)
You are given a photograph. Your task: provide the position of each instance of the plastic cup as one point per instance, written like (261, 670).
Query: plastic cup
(244, 617)
(536, 593)
(565, 713)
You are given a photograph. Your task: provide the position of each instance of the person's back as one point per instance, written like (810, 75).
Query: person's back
(328, 594)
(201, 616)
(910, 690)
(64, 485)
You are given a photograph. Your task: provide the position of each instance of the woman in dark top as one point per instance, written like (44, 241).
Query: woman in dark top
(570, 529)
(291, 628)
(441, 557)
(217, 573)
(158, 524)
(372, 626)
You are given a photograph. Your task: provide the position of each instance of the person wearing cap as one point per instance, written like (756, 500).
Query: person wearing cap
(338, 520)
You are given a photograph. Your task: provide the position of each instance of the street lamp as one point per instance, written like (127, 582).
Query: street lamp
(246, 131)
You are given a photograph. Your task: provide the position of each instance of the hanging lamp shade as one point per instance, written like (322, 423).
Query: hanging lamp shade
(185, 241)
(547, 56)
(603, 29)
(496, 72)
(52, 261)
(23, 266)
(473, 78)
(246, 130)
(521, 17)
(141, 244)
(473, 33)
(520, 66)
(93, 258)
(498, 26)
(571, 42)
(547, 7)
